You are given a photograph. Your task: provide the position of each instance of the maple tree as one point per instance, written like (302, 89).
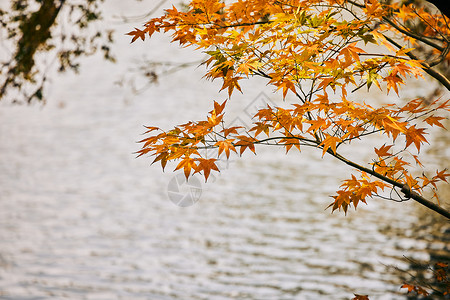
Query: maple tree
(320, 52)
(56, 28)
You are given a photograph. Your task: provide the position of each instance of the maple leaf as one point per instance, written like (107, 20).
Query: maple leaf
(289, 142)
(287, 86)
(214, 119)
(260, 127)
(231, 130)
(432, 121)
(206, 165)
(373, 8)
(327, 81)
(413, 106)
(383, 150)
(187, 164)
(442, 175)
(226, 145)
(393, 81)
(163, 157)
(137, 33)
(244, 68)
(245, 142)
(351, 51)
(445, 105)
(405, 13)
(419, 290)
(403, 51)
(150, 129)
(415, 135)
(323, 99)
(410, 181)
(372, 77)
(381, 39)
(330, 142)
(231, 82)
(318, 124)
(417, 160)
(218, 108)
(401, 68)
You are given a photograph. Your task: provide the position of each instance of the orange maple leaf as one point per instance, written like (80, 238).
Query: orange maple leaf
(260, 127)
(351, 51)
(218, 108)
(419, 290)
(432, 121)
(330, 142)
(245, 142)
(137, 34)
(187, 164)
(442, 175)
(231, 130)
(383, 150)
(206, 165)
(226, 145)
(393, 81)
(416, 136)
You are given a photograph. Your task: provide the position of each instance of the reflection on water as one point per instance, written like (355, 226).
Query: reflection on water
(101, 226)
(80, 218)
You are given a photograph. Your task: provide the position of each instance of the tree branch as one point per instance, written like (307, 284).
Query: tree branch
(404, 188)
(427, 68)
(413, 35)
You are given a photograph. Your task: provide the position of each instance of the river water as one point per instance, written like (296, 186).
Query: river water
(81, 218)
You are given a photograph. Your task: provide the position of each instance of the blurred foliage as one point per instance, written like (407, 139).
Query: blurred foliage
(36, 34)
(419, 27)
(427, 281)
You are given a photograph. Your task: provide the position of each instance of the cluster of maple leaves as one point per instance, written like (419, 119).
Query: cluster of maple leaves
(312, 51)
(308, 49)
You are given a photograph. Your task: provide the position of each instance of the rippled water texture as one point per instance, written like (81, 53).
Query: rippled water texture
(81, 218)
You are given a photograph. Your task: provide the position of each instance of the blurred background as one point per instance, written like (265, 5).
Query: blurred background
(82, 218)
